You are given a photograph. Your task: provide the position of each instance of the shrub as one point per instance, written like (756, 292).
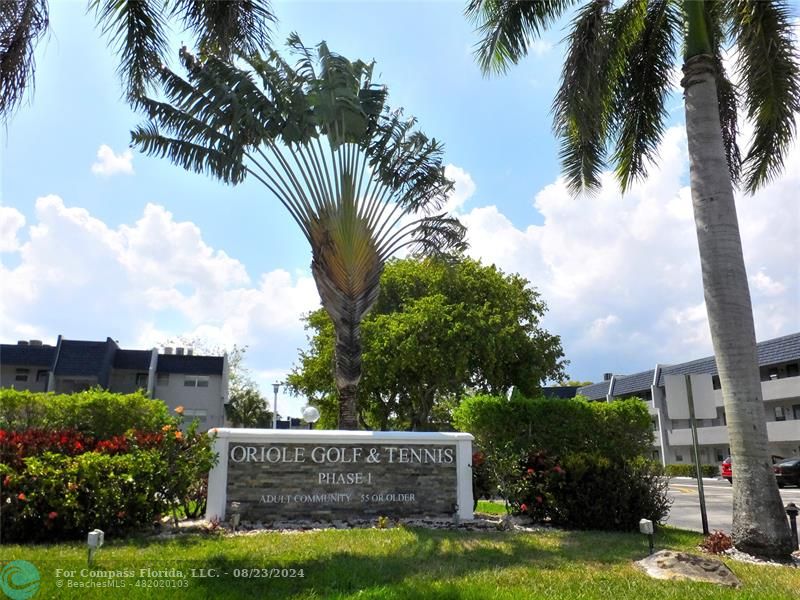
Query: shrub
(682, 470)
(96, 413)
(16, 446)
(57, 496)
(484, 484)
(618, 430)
(589, 491)
(717, 542)
(116, 485)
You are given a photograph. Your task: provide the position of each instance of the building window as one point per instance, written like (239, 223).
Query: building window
(195, 381)
(655, 424)
(162, 379)
(195, 413)
(715, 382)
(773, 373)
(141, 380)
(779, 414)
(796, 410)
(22, 375)
(42, 375)
(793, 370)
(679, 457)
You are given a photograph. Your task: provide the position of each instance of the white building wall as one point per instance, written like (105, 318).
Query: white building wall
(210, 399)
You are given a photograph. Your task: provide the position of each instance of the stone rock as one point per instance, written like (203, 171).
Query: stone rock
(667, 564)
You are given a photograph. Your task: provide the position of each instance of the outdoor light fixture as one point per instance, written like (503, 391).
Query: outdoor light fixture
(275, 387)
(646, 527)
(94, 540)
(310, 415)
(236, 516)
(792, 512)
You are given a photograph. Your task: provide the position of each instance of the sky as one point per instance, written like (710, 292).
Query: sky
(97, 240)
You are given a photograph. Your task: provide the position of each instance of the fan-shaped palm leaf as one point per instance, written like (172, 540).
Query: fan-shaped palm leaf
(359, 180)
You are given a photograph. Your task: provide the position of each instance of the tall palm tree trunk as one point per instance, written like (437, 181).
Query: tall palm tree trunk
(759, 522)
(346, 314)
(347, 372)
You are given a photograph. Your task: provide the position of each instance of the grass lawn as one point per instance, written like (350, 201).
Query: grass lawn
(491, 507)
(397, 563)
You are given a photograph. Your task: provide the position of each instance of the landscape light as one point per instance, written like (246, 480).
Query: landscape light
(94, 540)
(646, 527)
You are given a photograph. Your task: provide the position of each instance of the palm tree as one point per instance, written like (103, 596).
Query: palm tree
(610, 109)
(137, 29)
(358, 179)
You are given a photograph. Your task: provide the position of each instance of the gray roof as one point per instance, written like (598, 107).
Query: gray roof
(770, 352)
(596, 391)
(138, 360)
(27, 356)
(561, 392)
(190, 364)
(626, 385)
(84, 359)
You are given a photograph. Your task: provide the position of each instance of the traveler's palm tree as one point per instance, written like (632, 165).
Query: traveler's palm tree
(137, 29)
(610, 111)
(359, 180)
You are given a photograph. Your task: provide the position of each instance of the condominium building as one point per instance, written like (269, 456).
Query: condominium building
(779, 364)
(176, 376)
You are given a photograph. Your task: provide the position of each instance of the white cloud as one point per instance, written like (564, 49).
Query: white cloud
(11, 221)
(621, 274)
(108, 163)
(540, 47)
(143, 283)
(766, 285)
(464, 188)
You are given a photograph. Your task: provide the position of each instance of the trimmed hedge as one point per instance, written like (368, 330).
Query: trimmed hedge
(71, 463)
(682, 470)
(96, 412)
(60, 496)
(616, 430)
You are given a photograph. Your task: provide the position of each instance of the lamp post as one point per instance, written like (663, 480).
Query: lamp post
(275, 387)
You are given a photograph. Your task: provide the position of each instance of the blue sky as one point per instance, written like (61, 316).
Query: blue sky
(141, 251)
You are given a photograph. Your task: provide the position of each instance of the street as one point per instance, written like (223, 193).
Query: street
(685, 511)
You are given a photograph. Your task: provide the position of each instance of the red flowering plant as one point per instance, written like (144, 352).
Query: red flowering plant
(484, 485)
(534, 491)
(16, 446)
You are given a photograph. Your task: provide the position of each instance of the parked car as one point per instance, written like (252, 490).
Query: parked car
(726, 470)
(787, 472)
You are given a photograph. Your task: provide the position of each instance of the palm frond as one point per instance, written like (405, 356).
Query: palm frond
(224, 26)
(354, 197)
(643, 90)
(138, 31)
(22, 23)
(770, 75)
(508, 27)
(580, 109)
(220, 163)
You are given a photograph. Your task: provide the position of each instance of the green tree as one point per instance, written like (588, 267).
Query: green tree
(137, 30)
(610, 109)
(357, 178)
(248, 408)
(438, 331)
